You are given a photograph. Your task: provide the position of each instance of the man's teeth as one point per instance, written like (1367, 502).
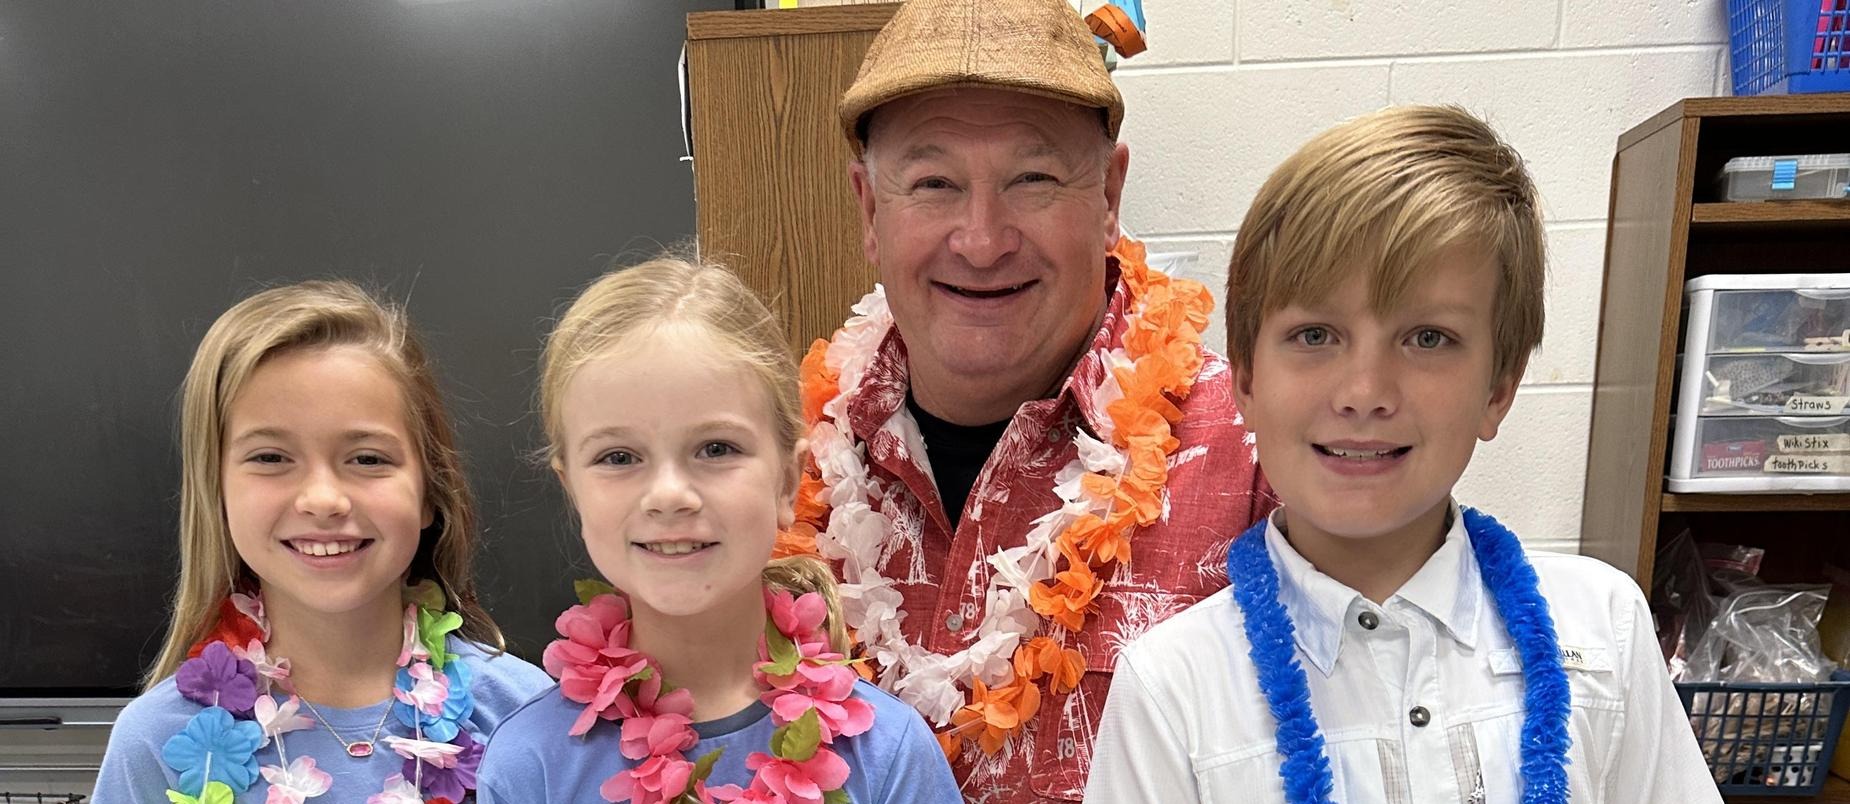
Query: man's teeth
(984, 293)
(1360, 454)
(675, 548)
(325, 548)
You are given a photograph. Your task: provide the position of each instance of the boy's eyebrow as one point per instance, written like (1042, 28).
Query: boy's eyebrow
(1452, 308)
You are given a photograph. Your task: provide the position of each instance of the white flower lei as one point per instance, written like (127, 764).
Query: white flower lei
(933, 683)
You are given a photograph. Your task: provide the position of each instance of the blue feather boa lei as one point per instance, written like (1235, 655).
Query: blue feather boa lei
(1514, 588)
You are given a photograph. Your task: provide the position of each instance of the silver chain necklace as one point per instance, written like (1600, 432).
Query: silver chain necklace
(356, 749)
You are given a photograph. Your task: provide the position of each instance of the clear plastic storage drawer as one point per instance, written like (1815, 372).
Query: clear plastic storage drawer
(1765, 178)
(1776, 384)
(1762, 454)
(1784, 320)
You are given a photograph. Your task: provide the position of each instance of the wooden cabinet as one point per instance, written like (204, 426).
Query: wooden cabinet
(770, 163)
(1668, 225)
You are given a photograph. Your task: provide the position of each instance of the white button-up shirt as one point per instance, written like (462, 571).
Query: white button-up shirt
(1419, 699)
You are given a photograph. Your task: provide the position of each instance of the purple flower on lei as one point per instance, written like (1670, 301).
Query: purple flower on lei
(450, 783)
(218, 678)
(213, 736)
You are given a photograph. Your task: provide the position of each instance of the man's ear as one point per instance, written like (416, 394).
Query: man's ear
(861, 180)
(1502, 398)
(1116, 168)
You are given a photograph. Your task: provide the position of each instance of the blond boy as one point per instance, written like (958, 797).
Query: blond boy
(1380, 643)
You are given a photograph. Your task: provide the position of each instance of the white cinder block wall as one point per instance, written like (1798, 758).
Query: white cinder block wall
(1229, 88)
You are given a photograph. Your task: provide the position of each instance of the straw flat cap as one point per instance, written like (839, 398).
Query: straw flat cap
(1040, 47)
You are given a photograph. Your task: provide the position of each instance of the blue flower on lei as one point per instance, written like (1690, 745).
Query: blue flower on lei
(214, 743)
(457, 707)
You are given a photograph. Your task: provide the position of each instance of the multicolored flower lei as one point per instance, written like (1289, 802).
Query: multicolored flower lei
(808, 687)
(1112, 487)
(231, 675)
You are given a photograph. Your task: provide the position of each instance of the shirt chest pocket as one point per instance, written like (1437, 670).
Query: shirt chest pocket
(1595, 719)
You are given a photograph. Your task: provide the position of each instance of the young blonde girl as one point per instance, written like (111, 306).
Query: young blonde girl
(326, 642)
(670, 405)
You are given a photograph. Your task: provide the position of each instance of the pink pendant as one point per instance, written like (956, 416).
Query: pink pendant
(360, 750)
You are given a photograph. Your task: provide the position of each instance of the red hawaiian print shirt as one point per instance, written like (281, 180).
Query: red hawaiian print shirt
(1214, 492)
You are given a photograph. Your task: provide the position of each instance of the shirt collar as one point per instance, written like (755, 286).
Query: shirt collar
(1446, 588)
(1449, 588)
(1089, 371)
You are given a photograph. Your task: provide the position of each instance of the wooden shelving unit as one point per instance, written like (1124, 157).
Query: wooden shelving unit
(1668, 224)
(1771, 214)
(1756, 502)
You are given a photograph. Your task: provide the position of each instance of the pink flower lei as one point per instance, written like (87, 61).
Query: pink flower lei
(808, 686)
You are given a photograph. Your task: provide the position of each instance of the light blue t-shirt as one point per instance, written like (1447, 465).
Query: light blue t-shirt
(133, 772)
(533, 759)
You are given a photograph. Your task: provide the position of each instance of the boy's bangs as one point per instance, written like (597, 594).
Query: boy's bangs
(1390, 250)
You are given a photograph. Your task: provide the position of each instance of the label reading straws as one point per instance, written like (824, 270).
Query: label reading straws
(1817, 405)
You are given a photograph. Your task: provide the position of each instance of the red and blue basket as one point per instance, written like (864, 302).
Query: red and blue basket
(1789, 46)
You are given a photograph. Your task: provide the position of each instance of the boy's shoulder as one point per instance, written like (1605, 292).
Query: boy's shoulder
(1580, 580)
(1187, 636)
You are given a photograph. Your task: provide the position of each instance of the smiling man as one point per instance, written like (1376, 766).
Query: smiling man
(1030, 457)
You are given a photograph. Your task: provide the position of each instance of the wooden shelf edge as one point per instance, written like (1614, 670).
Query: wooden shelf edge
(1768, 105)
(788, 21)
(1826, 501)
(1771, 213)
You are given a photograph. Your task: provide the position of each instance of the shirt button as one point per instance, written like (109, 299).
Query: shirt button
(1419, 717)
(1368, 620)
(955, 622)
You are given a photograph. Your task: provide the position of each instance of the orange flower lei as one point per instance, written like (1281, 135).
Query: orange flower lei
(1159, 359)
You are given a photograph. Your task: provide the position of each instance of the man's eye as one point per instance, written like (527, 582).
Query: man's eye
(933, 183)
(1033, 178)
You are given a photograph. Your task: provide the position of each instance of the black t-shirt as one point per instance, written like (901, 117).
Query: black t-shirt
(957, 455)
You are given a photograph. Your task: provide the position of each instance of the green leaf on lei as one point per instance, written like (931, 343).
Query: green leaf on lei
(433, 630)
(798, 739)
(704, 766)
(588, 588)
(215, 793)
(784, 654)
(427, 595)
(836, 797)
